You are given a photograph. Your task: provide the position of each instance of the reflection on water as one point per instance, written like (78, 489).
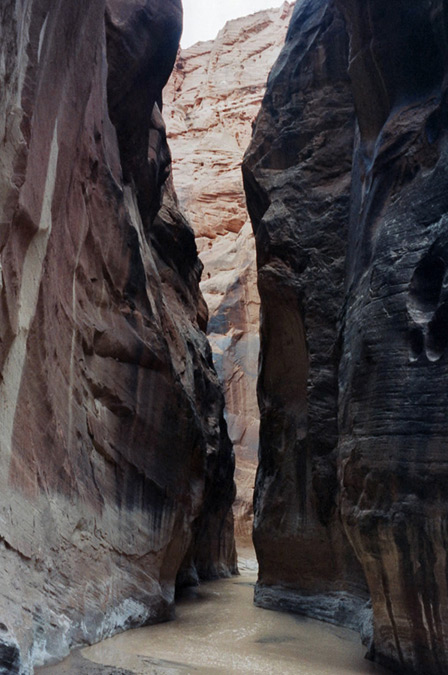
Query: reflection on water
(219, 630)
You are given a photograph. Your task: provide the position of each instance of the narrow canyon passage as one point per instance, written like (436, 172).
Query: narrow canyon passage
(223, 319)
(219, 630)
(209, 105)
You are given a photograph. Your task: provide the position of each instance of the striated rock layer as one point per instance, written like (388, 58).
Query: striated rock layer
(210, 103)
(115, 464)
(352, 276)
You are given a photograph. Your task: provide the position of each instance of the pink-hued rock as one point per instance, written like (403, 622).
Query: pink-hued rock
(115, 464)
(210, 104)
(230, 288)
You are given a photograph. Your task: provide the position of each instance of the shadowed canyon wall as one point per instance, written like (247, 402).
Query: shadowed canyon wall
(393, 374)
(115, 464)
(346, 179)
(210, 103)
(297, 174)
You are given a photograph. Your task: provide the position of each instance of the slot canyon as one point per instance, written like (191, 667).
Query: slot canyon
(223, 319)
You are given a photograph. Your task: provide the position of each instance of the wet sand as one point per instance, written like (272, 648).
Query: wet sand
(218, 630)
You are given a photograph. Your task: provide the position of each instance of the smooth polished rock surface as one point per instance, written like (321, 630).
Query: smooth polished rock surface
(297, 175)
(210, 103)
(352, 255)
(115, 464)
(394, 368)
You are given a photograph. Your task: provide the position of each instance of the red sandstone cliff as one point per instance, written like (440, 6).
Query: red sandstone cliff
(210, 103)
(115, 464)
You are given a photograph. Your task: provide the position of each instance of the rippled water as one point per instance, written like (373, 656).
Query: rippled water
(219, 630)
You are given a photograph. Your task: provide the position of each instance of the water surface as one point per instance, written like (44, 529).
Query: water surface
(219, 630)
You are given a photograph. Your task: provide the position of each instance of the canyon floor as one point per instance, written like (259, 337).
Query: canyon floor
(218, 630)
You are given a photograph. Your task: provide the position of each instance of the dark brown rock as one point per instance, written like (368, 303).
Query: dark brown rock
(355, 328)
(393, 420)
(112, 439)
(297, 177)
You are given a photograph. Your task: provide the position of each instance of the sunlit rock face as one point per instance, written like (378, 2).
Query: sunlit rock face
(347, 189)
(210, 103)
(115, 464)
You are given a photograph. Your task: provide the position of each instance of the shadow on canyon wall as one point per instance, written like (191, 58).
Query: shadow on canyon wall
(116, 467)
(346, 182)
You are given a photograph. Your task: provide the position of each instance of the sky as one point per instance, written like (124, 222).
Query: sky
(203, 19)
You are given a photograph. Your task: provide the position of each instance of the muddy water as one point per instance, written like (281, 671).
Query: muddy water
(218, 630)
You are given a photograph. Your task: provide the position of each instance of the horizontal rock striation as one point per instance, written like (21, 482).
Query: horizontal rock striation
(352, 276)
(211, 100)
(210, 103)
(115, 463)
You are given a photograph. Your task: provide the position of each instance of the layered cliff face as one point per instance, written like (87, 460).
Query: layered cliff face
(116, 467)
(210, 103)
(352, 264)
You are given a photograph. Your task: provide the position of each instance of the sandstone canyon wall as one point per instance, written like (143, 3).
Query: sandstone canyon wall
(297, 175)
(346, 179)
(210, 103)
(394, 369)
(115, 463)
